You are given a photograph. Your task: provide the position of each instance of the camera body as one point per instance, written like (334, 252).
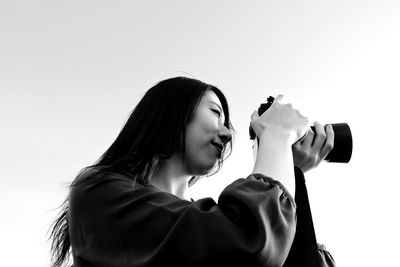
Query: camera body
(343, 141)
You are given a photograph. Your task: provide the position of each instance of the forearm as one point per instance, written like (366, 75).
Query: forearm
(275, 159)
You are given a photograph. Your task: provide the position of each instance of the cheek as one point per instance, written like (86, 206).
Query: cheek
(202, 129)
(192, 136)
(199, 154)
(192, 143)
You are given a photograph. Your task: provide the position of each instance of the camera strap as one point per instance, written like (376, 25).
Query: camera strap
(304, 250)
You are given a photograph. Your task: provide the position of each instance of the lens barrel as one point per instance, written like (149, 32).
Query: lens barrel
(342, 143)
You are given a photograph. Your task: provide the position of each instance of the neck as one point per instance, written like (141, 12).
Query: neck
(171, 178)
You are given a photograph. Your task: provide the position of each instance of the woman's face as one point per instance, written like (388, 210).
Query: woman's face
(204, 135)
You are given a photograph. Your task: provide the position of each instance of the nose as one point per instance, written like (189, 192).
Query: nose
(225, 135)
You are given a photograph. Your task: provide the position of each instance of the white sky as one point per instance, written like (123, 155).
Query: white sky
(71, 71)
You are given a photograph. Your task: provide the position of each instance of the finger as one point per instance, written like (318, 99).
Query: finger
(254, 115)
(320, 137)
(328, 145)
(278, 99)
(308, 139)
(299, 143)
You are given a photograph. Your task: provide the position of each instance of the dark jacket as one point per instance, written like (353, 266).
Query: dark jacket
(116, 222)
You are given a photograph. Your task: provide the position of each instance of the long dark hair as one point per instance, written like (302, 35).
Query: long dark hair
(154, 130)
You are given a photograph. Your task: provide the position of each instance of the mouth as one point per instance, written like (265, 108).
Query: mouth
(219, 147)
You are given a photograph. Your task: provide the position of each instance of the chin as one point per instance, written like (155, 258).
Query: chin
(208, 169)
(201, 167)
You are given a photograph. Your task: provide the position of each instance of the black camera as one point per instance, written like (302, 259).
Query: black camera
(343, 141)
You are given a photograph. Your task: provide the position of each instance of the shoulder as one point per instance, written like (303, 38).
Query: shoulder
(93, 178)
(97, 185)
(115, 199)
(107, 187)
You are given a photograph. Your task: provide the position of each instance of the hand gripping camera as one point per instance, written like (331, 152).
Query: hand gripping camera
(342, 144)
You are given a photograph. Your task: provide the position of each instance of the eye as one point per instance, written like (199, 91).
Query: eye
(217, 112)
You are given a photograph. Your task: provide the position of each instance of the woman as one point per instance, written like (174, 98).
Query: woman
(130, 207)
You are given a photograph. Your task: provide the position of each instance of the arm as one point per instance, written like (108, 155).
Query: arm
(277, 129)
(275, 159)
(114, 224)
(325, 258)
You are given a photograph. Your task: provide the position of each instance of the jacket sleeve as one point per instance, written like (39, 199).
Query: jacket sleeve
(113, 222)
(325, 258)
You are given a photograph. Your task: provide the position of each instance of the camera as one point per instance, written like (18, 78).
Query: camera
(342, 144)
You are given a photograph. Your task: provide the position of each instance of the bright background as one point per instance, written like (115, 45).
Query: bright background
(71, 72)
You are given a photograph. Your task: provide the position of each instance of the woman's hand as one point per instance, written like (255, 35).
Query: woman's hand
(278, 128)
(314, 147)
(281, 120)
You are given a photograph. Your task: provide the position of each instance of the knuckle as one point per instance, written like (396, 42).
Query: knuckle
(305, 153)
(288, 106)
(253, 124)
(316, 160)
(300, 151)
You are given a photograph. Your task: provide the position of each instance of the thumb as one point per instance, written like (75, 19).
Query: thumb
(254, 115)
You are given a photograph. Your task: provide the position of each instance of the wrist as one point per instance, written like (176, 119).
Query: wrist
(275, 158)
(277, 137)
